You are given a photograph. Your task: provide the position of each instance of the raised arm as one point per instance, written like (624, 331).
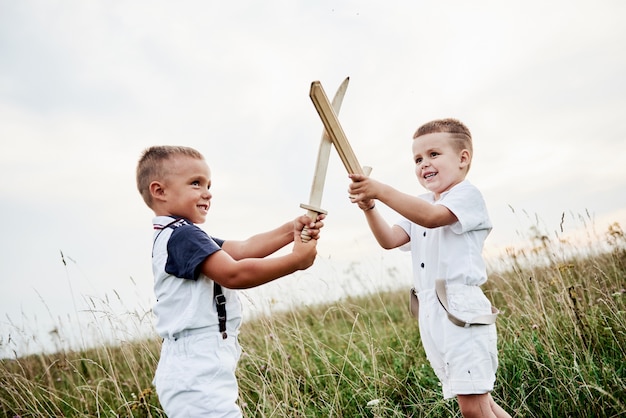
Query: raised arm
(266, 243)
(245, 273)
(413, 208)
(387, 236)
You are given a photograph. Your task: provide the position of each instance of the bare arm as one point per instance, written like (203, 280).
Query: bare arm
(250, 272)
(266, 243)
(387, 236)
(413, 208)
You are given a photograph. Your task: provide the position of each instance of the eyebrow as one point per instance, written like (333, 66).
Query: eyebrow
(199, 177)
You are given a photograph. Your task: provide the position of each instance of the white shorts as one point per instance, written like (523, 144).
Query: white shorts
(195, 376)
(464, 359)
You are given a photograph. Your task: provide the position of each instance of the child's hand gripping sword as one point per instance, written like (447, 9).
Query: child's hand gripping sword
(317, 188)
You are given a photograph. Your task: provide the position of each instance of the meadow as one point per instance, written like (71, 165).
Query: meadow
(562, 348)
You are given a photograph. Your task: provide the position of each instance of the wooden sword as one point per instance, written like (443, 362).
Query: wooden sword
(319, 177)
(334, 130)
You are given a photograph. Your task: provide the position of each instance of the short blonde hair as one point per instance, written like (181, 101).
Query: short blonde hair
(150, 166)
(460, 134)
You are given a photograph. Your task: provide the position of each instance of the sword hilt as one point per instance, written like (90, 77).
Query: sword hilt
(366, 171)
(312, 213)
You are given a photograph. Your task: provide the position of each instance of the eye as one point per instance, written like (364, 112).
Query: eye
(434, 154)
(195, 183)
(418, 160)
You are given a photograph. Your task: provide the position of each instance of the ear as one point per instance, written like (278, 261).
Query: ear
(157, 191)
(464, 158)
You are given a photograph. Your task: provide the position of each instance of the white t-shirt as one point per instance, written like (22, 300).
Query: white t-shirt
(452, 252)
(184, 295)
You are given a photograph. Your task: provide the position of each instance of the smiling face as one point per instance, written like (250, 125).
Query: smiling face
(439, 163)
(184, 190)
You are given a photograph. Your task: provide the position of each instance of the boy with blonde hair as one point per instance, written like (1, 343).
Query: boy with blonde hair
(445, 230)
(197, 310)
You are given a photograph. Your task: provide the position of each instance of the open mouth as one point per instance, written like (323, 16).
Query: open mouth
(429, 176)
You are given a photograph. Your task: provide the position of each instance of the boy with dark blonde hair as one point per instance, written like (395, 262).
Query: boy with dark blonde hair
(445, 230)
(197, 310)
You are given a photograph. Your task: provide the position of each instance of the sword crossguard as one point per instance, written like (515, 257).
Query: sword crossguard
(312, 213)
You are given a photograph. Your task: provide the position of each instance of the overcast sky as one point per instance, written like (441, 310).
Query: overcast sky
(86, 86)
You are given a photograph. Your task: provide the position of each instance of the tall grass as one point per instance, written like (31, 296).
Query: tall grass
(562, 347)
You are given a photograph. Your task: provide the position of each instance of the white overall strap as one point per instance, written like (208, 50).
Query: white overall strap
(440, 290)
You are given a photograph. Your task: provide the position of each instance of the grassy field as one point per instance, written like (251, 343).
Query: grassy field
(562, 344)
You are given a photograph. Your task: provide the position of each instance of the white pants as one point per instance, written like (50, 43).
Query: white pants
(195, 376)
(464, 359)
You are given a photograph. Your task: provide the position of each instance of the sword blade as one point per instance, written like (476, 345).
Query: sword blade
(319, 177)
(323, 154)
(334, 129)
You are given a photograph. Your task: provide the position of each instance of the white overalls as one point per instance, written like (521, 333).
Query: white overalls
(195, 376)
(464, 359)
